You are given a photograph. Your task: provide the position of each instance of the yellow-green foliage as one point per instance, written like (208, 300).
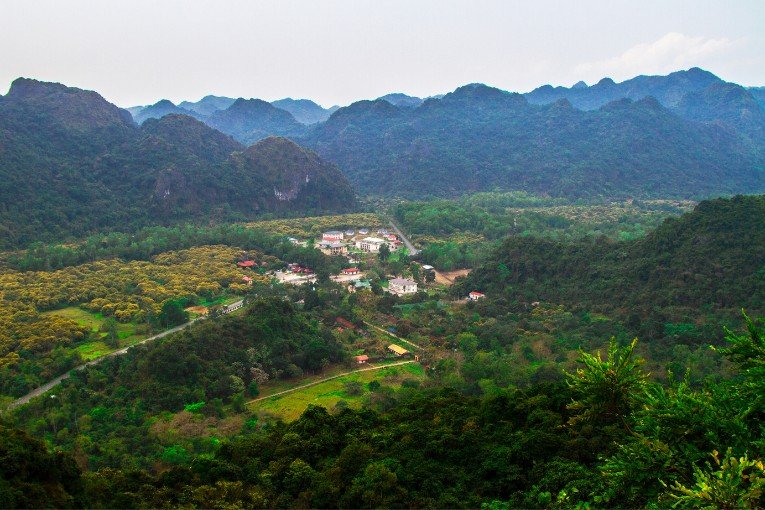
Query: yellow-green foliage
(290, 406)
(314, 226)
(128, 291)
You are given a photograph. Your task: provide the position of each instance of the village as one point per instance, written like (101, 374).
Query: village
(361, 251)
(358, 247)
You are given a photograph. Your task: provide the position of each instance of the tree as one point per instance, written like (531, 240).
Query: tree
(607, 391)
(732, 483)
(110, 327)
(415, 269)
(384, 253)
(173, 313)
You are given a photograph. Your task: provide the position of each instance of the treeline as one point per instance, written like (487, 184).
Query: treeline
(606, 437)
(454, 232)
(148, 242)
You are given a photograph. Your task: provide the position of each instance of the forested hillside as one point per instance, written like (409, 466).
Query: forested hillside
(709, 261)
(607, 437)
(71, 163)
(478, 138)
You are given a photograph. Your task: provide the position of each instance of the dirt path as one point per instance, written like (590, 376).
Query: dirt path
(314, 383)
(381, 330)
(51, 384)
(447, 278)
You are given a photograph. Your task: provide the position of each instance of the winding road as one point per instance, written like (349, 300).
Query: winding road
(51, 384)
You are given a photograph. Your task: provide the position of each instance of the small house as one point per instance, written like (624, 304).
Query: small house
(397, 350)
(247, 264)
(332, 236)
(402, 286)
(333, 248)
(350, 233)
(370, 244)
(350, 271)
(362, 359)
(475, 295)
(363, 231)
(344, 323)
(247, 280)
(359, 285)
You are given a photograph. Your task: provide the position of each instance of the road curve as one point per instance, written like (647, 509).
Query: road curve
(51, 384)
(314, 383)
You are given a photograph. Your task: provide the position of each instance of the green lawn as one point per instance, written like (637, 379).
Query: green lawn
(290, 406)
(219, 300)
(97, 348)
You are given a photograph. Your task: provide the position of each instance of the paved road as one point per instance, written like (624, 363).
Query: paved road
(51, 384)
(407, 242)
(329, 379)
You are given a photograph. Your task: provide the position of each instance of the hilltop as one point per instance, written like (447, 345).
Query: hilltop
(72, 163)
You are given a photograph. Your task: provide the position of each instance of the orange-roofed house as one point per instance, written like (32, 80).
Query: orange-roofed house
(361, 359)
(247, 264)
(475, 295)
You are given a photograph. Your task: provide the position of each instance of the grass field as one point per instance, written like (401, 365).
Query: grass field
(95, 349)
(290, 406)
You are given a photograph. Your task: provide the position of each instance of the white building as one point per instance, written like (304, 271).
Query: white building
(402, 286)
(370, 244)
(335, 248)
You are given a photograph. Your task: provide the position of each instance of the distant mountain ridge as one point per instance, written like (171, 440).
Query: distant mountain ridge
(305, 111)
(479, 138)
(71, 163)
(251, 120)
(668, 90)
(208, 105)
(694, 94)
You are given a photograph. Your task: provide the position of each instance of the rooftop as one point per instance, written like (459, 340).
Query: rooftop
(398, 349)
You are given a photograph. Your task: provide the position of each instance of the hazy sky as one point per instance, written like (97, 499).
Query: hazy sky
(335, 52)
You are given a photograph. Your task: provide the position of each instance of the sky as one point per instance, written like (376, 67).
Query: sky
(336, 52)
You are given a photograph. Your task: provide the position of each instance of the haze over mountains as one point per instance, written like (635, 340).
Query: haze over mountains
(71, 162)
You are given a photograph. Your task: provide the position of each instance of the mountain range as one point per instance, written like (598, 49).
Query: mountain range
(688, 134)
(72, 163)
(481, 138)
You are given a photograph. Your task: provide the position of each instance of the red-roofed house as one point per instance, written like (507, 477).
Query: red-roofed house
(351, 270)
(475, 295)
(247, 280)
(345, 323)
(244, 264)
(361, 359)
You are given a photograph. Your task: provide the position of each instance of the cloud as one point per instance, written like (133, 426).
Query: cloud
(672, 52)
